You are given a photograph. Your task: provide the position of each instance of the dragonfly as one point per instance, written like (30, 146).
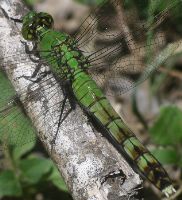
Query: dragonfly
(82, 70)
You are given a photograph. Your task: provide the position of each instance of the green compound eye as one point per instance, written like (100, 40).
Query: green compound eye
(29, 16)
(32, 21)
(28, 26)
(46, 20)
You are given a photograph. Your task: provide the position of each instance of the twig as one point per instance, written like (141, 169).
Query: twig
(123, 26)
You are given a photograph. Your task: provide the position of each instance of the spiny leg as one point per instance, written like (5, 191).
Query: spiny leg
(33, 52)
(27, 50)
(16, 20)
(59, 122)
(38, 67)
(36, 71)
(67, 96)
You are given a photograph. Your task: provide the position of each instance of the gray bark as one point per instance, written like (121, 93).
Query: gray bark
(81, 154)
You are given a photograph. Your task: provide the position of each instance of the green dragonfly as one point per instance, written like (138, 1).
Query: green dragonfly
(80, 70)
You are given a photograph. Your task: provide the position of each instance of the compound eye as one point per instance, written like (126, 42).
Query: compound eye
(46, 20)
(28, 28)
(28, 32)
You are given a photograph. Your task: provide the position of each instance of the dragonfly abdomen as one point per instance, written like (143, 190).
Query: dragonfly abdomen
(90, 96)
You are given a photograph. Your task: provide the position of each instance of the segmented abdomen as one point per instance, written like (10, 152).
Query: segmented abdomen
(90, 96)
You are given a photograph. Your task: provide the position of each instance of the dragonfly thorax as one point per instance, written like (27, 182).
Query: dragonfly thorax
(33, 20)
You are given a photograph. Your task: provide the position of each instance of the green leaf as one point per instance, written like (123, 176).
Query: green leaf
(9, 185)
(167, 130)
(57, 180)
(166, 156)
(19, 151)
(34, 169)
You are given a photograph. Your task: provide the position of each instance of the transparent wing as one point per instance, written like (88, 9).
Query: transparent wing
(110, 21)
(16, 128)
(122, 50)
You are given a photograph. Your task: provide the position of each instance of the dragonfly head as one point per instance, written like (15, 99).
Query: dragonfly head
(33, 20)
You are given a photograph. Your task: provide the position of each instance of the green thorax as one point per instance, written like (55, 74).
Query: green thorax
(61, 52)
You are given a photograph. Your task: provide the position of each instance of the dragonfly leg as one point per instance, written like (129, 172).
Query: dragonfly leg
(32, 52)
(67, 96)
(59, 122)
(35, 73)
(16, 20)
(114, 174)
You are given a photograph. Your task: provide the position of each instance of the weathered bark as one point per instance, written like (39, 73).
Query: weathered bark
(81, 154)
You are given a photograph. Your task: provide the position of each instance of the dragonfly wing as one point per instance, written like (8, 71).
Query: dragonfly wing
(16, 128)
(120, 59)
(130, 71)
(89, 27)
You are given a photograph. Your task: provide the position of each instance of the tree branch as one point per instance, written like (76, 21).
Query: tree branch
(81, 154)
